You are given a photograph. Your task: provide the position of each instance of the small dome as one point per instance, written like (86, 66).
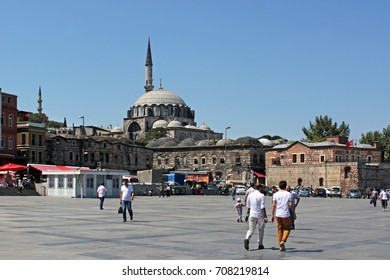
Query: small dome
(160, 124)
(188, 142)
(159, 97)
(247, 140)
(203, 143)
(265, 142)
(204, 127)
(175, 124)
(191, 126)
(117, 129)
(224, 142)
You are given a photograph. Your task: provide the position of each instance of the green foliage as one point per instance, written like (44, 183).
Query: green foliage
(324, 127)
(43, 118)
(153, 134)
(383, 139)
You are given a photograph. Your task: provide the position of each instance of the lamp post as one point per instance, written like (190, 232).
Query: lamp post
(82, 157)
(226, 129)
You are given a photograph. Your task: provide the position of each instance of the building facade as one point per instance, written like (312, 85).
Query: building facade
(326, 164)
(9, 111)
(31, 140)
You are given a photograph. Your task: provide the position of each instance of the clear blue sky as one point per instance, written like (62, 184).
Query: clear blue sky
(260, 67)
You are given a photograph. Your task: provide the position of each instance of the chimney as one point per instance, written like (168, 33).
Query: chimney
(376, 144)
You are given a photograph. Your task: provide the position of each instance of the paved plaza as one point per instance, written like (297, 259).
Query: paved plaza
(185, 228)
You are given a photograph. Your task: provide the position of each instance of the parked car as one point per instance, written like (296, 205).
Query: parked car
(335, 191)
(304, 192)
(320, 192)
(354, 193)
(240, 189)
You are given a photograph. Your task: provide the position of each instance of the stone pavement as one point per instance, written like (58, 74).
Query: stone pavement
(185, 228)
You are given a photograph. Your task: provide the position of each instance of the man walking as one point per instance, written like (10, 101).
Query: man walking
(257, 217)
(125, 198)
(281, 207)
(101, 194)
(247, 192)
(295, 201)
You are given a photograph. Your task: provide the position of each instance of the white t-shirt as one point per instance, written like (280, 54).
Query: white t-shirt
(255, 202)
(126, 192)
(282, 199)
(384, 195)
(101, 190)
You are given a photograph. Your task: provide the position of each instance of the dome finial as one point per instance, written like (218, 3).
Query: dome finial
(161, 87)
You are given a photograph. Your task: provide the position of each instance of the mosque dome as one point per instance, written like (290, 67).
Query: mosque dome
(191, 126)
(117, 129)
(175, 124)
(159, 97)
(266, 142)
(160, 124)
(204, 127)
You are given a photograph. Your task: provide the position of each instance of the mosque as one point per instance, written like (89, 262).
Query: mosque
(161, 108)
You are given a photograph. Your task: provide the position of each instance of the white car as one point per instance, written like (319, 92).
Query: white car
(240, 189)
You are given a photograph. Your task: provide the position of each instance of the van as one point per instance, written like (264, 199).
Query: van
(335, 191)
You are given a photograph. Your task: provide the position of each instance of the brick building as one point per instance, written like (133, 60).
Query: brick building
(9, 111)
(326, 164)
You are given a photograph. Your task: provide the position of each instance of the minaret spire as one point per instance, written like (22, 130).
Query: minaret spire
(149, 69)
(39, 101)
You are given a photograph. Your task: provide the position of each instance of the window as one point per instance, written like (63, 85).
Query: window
(33, 139)
(10, 120)
(302, 156)
(238, 159)
(2, 143)
(90, 182)
(369, 159)
(214, 160)
(347, 172)
(40, 159)
(321, 182)
(11, 143)
(294, 158)
(203, 160)
(24, 138)
(71, 156)
(322, 158)
(33, 156)
(2, 119)
(40, 140)
(196, 161)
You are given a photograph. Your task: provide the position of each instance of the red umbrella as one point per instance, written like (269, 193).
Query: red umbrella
(12, 167)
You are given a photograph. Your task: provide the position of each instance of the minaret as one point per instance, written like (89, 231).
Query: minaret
(40, 101)
(149, 70)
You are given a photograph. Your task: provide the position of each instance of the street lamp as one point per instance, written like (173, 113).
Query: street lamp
(226, 129)
(82, 157)
(82, 142)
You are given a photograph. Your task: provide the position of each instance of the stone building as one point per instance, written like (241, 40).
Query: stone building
(238, 161)
(102, 152)
(326, 164)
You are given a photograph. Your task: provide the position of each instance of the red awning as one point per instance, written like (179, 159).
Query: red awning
(44, 167)
(259, 175)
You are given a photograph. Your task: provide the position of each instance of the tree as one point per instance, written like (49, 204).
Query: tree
(43, 118)
(153, 134)
(324, 127)
(383, 140)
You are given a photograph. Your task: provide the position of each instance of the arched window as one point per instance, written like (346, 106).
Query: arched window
(10, 120)
(299, 181)
(321, 182)
(347, 172)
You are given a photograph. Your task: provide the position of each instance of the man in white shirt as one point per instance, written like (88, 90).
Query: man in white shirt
(125, 198)
(384, 197)
(247, 192)
(282, 206)
(101, 194)
(257, 216)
